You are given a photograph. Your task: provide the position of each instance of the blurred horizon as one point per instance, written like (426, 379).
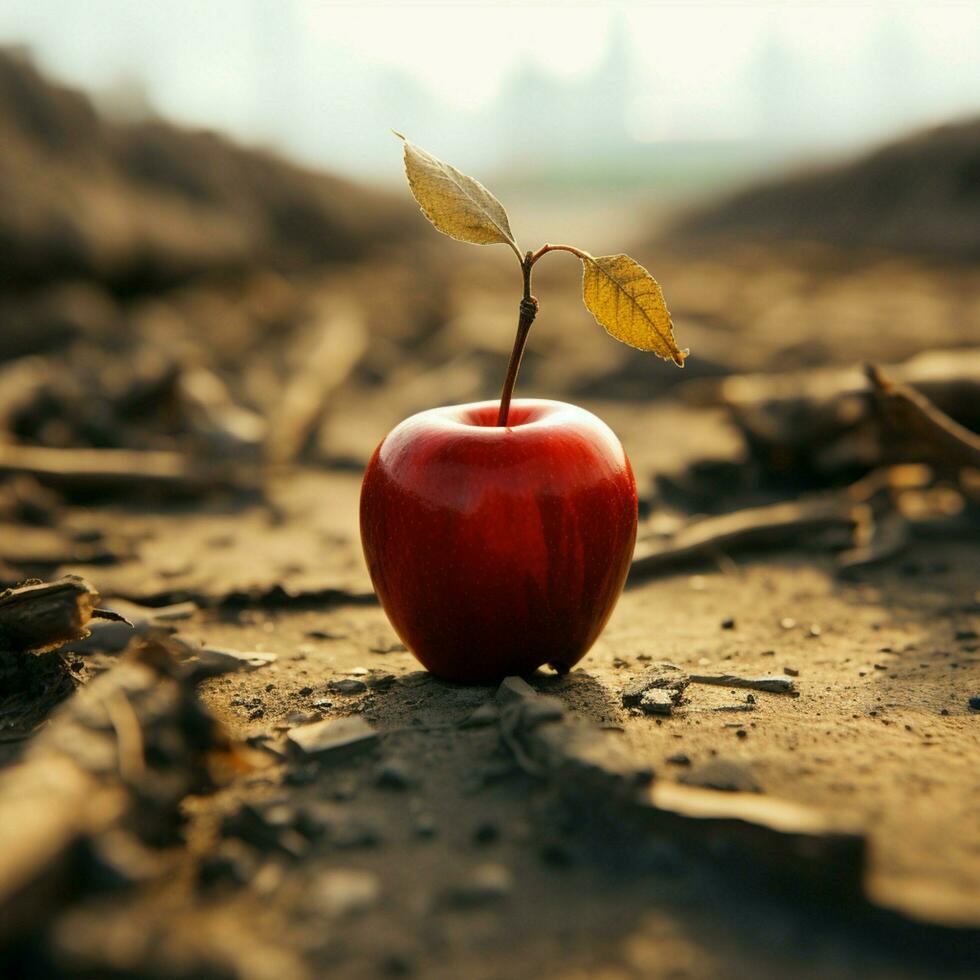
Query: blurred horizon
(682, 96)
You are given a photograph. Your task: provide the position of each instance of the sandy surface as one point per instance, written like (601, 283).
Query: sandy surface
(465, 866)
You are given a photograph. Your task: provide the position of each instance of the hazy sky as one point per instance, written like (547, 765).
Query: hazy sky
(325, 80)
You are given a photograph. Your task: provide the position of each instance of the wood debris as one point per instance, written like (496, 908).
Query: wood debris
(921, 430)
(121, 754)
(107, 471)
(773, 525)
(45, 615)
(773, 685)
(324, 356)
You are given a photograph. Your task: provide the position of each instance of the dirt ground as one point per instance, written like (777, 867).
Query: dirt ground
(883, 698)
(442, 858)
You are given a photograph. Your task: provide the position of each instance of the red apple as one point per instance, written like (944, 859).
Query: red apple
(496, 549)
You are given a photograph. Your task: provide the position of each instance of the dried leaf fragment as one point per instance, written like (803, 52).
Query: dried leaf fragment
(456, 204)
(628, 304)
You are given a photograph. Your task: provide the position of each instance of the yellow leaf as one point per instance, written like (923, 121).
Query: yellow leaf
(457, 205)
(629, 304)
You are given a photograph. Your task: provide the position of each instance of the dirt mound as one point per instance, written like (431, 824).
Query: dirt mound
(149, 203)
(920, 194)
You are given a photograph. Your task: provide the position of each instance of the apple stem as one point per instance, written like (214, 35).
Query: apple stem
(529, 309)
(557, 248)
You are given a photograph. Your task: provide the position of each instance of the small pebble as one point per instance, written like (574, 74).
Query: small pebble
(485, 885)
(389, 648)
(346, 891)
(380, 682)
(395, 774)
(347, 685)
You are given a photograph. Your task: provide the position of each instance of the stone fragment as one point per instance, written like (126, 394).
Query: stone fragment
(486, 884)
(347, 685)
(395, 774)
(295, 718)
(486, 714)
(414, 678)
(380, 682)
(536, 711)
(658, 702)
(333, 740)
(342, 892)
(662, 676)
(720, 774)
(514, 689)
(385, 647)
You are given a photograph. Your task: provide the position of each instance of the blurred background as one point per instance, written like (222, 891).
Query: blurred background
(207, 243)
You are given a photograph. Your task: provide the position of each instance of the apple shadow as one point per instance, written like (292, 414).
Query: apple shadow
(581, 692)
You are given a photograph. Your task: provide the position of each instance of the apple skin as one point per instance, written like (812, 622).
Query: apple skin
(495, 549)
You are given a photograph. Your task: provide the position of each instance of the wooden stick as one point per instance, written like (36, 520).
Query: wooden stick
(326, 360)
(914, 419)
(791, 522)
(114, 470)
